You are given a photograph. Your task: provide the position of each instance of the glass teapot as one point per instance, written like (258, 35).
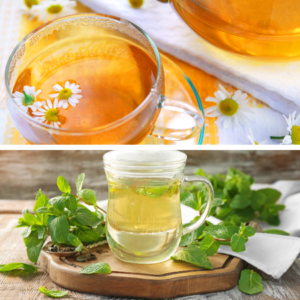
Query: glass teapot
(266, 29)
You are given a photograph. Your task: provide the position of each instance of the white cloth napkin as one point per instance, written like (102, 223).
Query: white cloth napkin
(275, 83)
(273, 254)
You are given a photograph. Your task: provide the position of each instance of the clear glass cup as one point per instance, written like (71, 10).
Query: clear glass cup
(144, 224)
(131, 129)
(265, 29)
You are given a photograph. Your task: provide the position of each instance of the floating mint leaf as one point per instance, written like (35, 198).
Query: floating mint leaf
(238, 243)
(59, 228)
(98, 268)
(209, 245)
(152, 192)
(88, 197)
(53, 293)
(190, 200)
(63, 185)
(276, 231)
(18, 265)
(79, 182)
(240, 201)
(194, 255)
(250, 282)
(174, 190)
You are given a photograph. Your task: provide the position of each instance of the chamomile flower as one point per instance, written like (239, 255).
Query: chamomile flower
(67, 94)
(48, 10)
(48, 113)
(27, 99)
(25, 5)
(253, 141)
(293, 138)
(136, 3)
(231, 109)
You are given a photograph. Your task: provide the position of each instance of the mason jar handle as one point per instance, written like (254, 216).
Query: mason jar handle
(203, 216)
(182, 107)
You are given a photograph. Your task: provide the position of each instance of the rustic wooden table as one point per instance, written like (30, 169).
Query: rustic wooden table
(19, 285)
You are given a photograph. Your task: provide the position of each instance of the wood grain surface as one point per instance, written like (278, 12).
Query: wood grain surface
(158, 281)
(22, 173)
(19, 285)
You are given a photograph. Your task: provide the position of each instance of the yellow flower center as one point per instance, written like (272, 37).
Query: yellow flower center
(28, 99)
(295, 135)
(29, 3)
(54, 9)
(65, 93)
(136, 3)
(228, 107)
(52, 115)
(256, 143)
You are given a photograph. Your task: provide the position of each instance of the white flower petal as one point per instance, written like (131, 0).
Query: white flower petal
(53, 95)
(212, 99)
(57, 87)
(227, 123)
(287, 140)
(18, 95)
(67, 84)
(55, 103)
(49, 103)
(65, 105)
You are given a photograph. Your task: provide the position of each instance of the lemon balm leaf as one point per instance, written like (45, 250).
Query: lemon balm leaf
(250, 282)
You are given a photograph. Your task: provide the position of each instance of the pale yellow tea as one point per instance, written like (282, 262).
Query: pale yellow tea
(144, 219)
(89, 83)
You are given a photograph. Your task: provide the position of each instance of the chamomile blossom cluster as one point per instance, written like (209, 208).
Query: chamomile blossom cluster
(293, 137)
(48, 111)
(47, 10)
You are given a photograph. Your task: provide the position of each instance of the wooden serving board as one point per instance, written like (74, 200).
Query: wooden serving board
(158, 281)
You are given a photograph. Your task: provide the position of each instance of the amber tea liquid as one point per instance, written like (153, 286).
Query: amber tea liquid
(144, 219)
(267, 29)
(115, 76)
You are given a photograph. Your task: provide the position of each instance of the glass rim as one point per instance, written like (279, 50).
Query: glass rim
(97, 129)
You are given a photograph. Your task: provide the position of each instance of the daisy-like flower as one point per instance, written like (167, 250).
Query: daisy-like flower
(25, 5)
(48, 10)
(67, 95)
(28, 98)
(48, 113)
(231, 109)
(293, 138)
(253, 141)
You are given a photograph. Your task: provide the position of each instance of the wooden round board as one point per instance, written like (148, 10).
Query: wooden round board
(158, 281)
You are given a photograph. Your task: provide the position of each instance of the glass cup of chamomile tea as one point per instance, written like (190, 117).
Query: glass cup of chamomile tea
(91, 79)
(144, 224)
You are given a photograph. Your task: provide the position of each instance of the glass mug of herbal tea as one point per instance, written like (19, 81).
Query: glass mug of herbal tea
(144, 224)
(90, 79)
(267, 29)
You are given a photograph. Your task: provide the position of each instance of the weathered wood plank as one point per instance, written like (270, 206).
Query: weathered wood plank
(22, 173)
(20, 286)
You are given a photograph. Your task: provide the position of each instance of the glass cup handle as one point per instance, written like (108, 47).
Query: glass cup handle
(182, 107)
(203, 217)
(164, 1)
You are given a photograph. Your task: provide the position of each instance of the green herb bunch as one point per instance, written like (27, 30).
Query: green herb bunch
(63, 218)
(242, 204)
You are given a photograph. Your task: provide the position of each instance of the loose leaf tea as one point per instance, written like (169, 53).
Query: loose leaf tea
(53, 293)
(250, 282)
(98, 268)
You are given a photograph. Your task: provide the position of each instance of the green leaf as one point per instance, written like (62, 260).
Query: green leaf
(53, 293)
(31, 219)
(18, 265)
(79, 248)
(71, 202)
(221, 232)
(249, 231)
(74, 240)
(190, 237)
(240, 201)
(59, 205)
(79, 182)
(194, 255)
(41, 201)
(272, 196)
(238, 243)
(250, 282)
(86, 217)
(98, 268)
(244, 215)
(26, 232)
(41, 232)
(25, 211)
(88, 196)
(63, 185)
(34, 246)
(190, 200)
(38, 194)
(209, 245)
(100, 229)
(44, 210)
(59, 228)
(152, 192)
(276, 231)
(257, 199)
(86, 235)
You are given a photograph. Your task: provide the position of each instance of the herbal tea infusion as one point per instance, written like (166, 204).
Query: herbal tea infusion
(144, 219)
